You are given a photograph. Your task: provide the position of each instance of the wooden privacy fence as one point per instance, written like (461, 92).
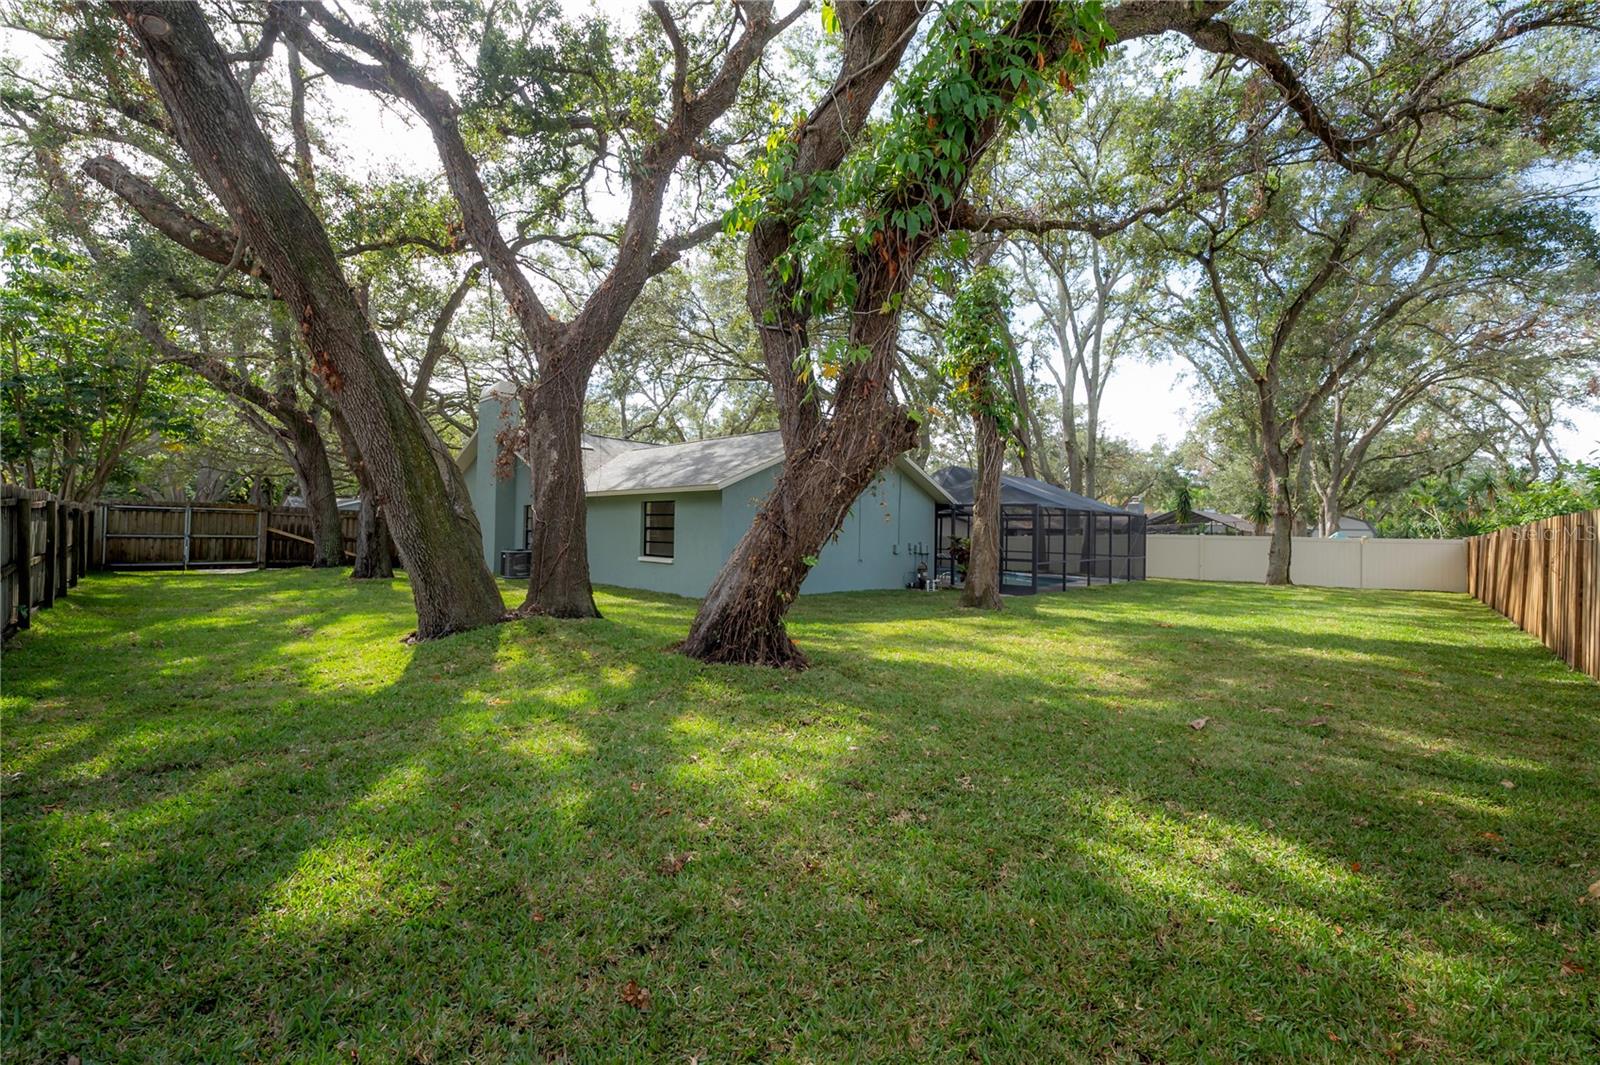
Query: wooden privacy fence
(44, 549)
(1545, 576)
(199, 535)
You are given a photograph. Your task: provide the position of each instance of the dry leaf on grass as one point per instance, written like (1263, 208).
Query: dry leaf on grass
(636, 996)
(1507, 784)
(1199, 723)
(1569, 967)
(673, 864)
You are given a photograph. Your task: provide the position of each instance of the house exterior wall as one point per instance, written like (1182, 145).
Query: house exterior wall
(873, 547)
(616, 540)
(497, 502)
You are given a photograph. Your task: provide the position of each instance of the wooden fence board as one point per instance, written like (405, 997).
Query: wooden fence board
(41, 560)
(183, 535)
(1545, 577)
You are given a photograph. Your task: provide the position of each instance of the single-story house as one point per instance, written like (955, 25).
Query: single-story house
(665, 517)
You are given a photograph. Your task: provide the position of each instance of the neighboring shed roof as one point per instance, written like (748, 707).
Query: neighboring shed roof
(347, 503)
(1198, 516)
(957, 480)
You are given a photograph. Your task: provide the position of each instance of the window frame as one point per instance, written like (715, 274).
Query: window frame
(646, 514)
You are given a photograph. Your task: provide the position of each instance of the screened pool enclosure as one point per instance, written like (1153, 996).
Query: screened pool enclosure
(1051, 539)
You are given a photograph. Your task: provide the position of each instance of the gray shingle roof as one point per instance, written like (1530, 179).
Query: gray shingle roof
(1233, 521)
(703, 464)
(628, 467)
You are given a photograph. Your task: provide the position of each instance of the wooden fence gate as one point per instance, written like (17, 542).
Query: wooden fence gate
(44, 549)
(1545, 576)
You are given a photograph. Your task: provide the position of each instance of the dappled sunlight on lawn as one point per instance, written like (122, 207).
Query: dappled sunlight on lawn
(253, 822)
(355, 878)
(1466, 755)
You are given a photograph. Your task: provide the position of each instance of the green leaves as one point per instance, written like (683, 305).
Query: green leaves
(975, 79)
(977, 346)
(830, 18)
(69, 370)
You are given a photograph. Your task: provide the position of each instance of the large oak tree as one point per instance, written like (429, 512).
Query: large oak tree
(422, 494)
(675, 122)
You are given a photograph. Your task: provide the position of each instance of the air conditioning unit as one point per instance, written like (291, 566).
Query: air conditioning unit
(516, 565)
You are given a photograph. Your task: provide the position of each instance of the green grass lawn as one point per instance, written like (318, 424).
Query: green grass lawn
(243, 821)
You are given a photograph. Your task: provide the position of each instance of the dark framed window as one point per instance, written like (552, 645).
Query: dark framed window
(659, 528)
(527, 528)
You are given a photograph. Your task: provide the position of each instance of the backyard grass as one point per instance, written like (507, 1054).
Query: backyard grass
(243, 821)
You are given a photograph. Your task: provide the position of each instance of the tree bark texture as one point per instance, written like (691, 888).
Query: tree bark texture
(982, 587)
(1278, 481)
(309, 457)
(421, 490)
(558, 575)
(372, 560)
(741, 618)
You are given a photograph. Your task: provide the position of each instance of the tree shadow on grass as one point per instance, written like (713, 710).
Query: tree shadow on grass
(472, 847)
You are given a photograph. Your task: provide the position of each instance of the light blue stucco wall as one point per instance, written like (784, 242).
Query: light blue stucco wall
(498, 502)
(872, 549)
(616, 539)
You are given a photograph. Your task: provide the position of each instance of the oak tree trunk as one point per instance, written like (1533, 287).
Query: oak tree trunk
(1069, 439)
(419, 487)
(372, 560)
(741, 619)
(1279, 549)
(315, 474)
(558, 575)
(1329, 512)
(1091, 446)
(982, 587)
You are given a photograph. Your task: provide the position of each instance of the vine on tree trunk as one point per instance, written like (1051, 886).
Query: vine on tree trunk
(840, 225)
(978, 361)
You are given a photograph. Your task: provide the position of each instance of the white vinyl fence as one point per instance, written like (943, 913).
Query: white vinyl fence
(1424, 565)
